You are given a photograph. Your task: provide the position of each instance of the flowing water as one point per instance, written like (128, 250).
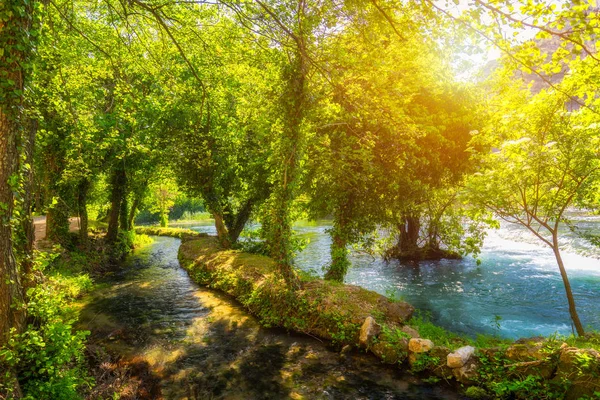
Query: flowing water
(516, 291)
(199, 344)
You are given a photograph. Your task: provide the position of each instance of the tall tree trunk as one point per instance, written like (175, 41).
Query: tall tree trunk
(409, 235)
(222, 232)
(137, 199)
(82, 192)
(567, 285)
(291, 150)
(27, 228)
(339, 252)
(15, 45)
(57, 221)
(124, 213)
(116, 197)
(11, 292)
(240, 220)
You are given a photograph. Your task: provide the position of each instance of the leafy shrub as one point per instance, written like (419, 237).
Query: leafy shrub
(48, 357)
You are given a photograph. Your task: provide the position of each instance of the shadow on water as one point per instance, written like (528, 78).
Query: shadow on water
(199, 344)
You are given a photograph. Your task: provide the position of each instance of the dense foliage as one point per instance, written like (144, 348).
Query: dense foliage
(362, 112)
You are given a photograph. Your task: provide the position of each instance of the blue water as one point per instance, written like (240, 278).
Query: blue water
(517, 280)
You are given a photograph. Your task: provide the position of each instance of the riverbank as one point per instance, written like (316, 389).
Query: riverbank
(539, 367)
(178, 340)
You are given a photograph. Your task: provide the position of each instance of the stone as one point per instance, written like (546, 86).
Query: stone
(417, 345)
(346, 349)
(531, 340)
(542, 368)
(399, 311)
(525, 352)
(389, 353)
(460, 357)
(582, 368)
(413, 333)
(491, 352)
(369, 330)
(468, 373)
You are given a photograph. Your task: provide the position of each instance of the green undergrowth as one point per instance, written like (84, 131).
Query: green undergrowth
(48, 356)
(421, 321)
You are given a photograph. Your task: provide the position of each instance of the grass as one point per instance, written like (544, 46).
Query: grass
(442, 337)
(196, 216)
(171, 232)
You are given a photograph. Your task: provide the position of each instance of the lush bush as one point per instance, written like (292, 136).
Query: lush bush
(48, 357)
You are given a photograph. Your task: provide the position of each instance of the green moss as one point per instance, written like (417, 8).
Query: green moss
(475, 392)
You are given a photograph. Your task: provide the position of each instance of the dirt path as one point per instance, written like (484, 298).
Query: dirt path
(39, 224)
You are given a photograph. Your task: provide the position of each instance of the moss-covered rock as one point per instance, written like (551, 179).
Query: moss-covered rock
(391, 353)
(581, 368)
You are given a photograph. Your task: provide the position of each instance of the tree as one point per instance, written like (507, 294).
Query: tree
(163, 192)
(542, 158)
(16, 42)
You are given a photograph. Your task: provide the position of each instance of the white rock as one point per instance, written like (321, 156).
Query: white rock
(460, 357)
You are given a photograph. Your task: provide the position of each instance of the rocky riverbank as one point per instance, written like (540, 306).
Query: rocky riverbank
(352, 316)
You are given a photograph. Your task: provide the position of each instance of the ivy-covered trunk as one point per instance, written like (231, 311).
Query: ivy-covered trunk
(339, 254)
(10, 282)
(57, 220)
(291, 145)
(27, 237)
(15, 23)
(124, 213)
(135, 204)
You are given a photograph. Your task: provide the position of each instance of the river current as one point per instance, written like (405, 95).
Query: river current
(516, 291)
